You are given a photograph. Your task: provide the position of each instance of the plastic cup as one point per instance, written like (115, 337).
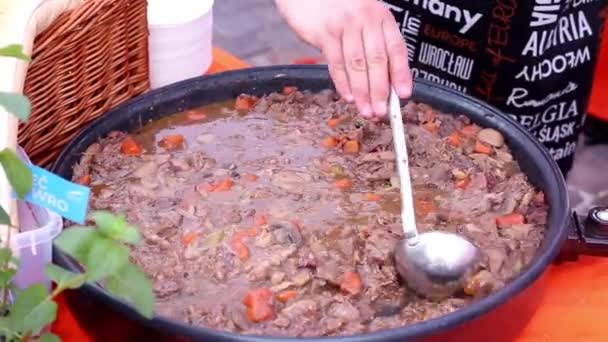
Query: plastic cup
(34, 244)
(180, 38)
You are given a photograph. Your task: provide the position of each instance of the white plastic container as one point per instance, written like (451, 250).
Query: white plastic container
(34, 244)
(179, 40)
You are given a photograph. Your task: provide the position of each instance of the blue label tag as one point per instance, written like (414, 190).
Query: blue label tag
(54, 193)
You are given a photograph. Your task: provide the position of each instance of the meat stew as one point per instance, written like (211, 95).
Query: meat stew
(278, 215)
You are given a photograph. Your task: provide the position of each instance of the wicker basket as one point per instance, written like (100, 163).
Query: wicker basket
(87, 61)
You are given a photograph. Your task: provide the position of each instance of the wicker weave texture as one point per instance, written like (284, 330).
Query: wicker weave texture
(89, 60)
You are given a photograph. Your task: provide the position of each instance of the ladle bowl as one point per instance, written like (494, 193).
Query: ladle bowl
(436, 264)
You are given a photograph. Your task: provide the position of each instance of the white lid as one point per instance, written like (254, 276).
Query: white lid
(171, 12)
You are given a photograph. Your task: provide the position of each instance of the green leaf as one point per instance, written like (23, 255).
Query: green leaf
(33, 310)
(18, 174)
(6, 254)
(16, 104)
(76, 242)
(133, 285)
(5, 329)
(64, 278)
(48, 337)
(14, 50)
(105, 258)
(6, 276)
(27, 300)
(115, 227)
(4, 218)
(42, 315)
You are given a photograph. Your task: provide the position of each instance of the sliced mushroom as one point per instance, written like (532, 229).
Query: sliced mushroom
(277, 277)
(491, 137)
(302, 278)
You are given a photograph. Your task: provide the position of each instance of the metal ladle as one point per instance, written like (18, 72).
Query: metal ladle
(434, 264)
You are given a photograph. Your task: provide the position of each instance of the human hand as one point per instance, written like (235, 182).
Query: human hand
(362, 44)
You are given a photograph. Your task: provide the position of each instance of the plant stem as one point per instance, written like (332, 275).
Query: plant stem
(59, 289)
(4, 296)
(5, 266)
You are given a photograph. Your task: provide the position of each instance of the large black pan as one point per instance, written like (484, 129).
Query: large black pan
(534, 161)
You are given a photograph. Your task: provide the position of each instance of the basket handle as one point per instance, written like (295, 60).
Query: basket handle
(36, 16)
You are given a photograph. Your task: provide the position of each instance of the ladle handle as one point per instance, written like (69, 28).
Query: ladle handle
(407, 200)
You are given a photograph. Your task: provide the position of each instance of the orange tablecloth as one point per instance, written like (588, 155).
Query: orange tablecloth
(569, 302)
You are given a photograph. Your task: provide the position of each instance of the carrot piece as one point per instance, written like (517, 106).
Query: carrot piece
(351, 147)
(238, 238)
(84, 180)
(224, 185)
(351, 283)
(431, 126)
(330, 142)
(454, 139)
(506, 221)
(260, 220)
(286, 295)
(130, 147)
(250, 177)
(341, 139)
(251, 232)
(244, 102)
(238, 246)
(424, 207)
(205, 187)
(196, 115)
(343, 184)
(259, 305)
(172, 142)
(470, 130)
(462, 183)
(372, 197)
(333, 123)
(188, 238)
(482, 148)
(289, 90)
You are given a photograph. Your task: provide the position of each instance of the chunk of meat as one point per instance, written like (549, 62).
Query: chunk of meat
(329, 271)
(481, 284)
(286, 234)
(344, 311)
(302, 310)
